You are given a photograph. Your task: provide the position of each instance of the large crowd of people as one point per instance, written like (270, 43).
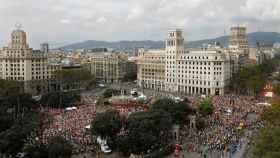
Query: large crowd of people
(224, 131)
(71, 124)
(225, 127)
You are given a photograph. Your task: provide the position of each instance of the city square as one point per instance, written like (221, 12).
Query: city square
(140, 79)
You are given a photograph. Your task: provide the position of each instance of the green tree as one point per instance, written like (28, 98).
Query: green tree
(177, 110)
(107, 124)
(71, 79)
(36, 150)
(268, 143)
(58, 147)
(271, 114)
(60, 99)
(277, 89)
(10, 88)
(6, 118)
(148, 131)
(251, 79)
(13, 139)
(18, 118)
(123, 144)
(108, 93)
(255, 84)
(23, 101)
(205, 108)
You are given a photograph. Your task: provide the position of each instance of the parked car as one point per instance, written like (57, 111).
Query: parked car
(101, 85)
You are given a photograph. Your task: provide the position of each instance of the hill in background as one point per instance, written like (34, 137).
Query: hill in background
(265, 38)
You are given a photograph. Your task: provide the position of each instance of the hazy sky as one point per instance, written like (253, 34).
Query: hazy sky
(69, 21)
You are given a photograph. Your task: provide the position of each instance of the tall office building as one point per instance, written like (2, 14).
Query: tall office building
(174, 49)
(238, 40)
(239, 47)
(19, 62)
(176, 70)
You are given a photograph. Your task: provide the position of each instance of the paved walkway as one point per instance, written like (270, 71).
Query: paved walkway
(242, 151)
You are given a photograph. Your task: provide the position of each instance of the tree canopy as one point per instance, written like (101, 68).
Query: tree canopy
(58, 147)
(9, 88)
(267, 143)
(107, 124)
(37, 151)
(251, 79)
(148, 130)
(75, 78)
(271, 114)
(60, 99)
(142, 132)
(13, 139)
(177, 110)
(205, 108)
(107, 93)
(18, 117)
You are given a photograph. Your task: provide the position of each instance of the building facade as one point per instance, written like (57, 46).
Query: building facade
(239, 46)
(177, 70)
(238, 41)
(19, 62)
(111, 67)
(151, 69)
(256, 56)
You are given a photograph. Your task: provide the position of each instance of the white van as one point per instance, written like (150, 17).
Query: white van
(103, 145)
(105, 149)
(71, 108)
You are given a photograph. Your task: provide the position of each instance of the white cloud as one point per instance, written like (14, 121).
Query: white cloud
(133, 19)
(101, 20)
(65, 21)
(262, 9)
(135, 13)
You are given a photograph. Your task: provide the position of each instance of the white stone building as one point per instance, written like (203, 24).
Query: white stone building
(175, 69)
(19, 62)
(112, 67)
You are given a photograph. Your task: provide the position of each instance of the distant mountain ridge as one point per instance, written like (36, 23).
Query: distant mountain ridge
(90, 44)
(265, 38)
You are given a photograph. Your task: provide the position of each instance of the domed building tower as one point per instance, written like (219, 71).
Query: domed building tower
(20, 63)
